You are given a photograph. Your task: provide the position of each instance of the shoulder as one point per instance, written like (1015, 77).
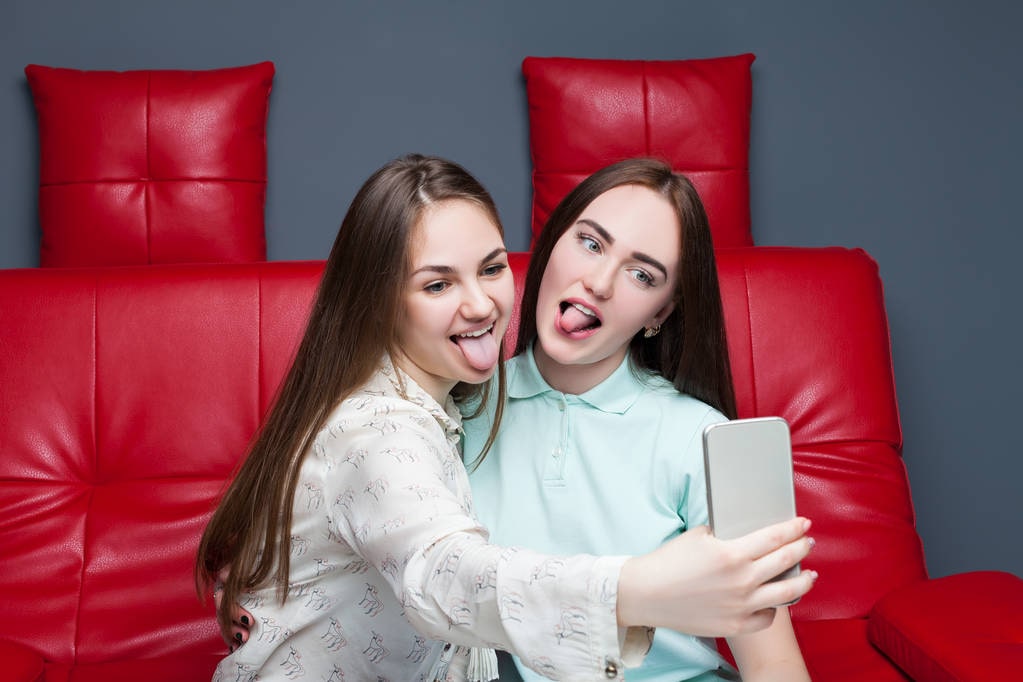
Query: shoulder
(679, 413)
(375, 419)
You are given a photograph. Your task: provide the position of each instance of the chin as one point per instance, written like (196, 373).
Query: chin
(477, 376)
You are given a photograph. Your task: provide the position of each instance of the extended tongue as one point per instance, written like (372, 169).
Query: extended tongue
(573, 319)
(481, 351)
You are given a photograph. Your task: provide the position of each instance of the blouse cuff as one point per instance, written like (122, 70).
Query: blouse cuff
(635, 643)
(615, 647)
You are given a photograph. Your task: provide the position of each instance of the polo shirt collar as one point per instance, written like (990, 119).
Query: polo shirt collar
(616, 394)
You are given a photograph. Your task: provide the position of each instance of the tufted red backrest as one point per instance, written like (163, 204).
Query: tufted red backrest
(695, 114)
(130, 393)
(151, 166)
(808, 341)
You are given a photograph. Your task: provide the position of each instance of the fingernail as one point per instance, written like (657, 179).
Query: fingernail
(245, 620)
(238, 636)
(813, 576)
(813, 543)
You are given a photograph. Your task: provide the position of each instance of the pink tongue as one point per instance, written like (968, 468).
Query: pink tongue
(480, 351)
(573, 319)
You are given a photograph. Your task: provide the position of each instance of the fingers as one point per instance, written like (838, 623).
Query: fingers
(780, 547)
(782, 559)
(768, 539)
(239, 632)
(241, 621)
(782, 592)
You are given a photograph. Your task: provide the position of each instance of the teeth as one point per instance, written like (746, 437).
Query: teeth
(584, 310)
(479, 332)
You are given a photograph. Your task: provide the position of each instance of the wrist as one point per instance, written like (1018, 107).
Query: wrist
(630, 594)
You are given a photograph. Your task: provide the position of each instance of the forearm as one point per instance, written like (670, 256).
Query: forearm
(556, 613)
(770, 655)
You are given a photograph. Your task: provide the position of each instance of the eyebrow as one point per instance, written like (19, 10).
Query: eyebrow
(638, 255)
(447, 269)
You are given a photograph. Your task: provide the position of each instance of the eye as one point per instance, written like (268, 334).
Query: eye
(589, 243)
(436, 287)
(494, 269)
(644, 277)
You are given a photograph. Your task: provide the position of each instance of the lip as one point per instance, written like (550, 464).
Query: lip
(478, 331)
(582, 334)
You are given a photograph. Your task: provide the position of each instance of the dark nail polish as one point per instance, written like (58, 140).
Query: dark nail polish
(238, 636)
(245, 620)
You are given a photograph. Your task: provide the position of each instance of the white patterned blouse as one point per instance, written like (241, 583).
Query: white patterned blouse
(389, 564)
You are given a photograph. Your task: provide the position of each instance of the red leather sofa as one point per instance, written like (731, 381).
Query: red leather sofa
(128, 394)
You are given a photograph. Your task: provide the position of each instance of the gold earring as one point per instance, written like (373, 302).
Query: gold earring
(651, 332)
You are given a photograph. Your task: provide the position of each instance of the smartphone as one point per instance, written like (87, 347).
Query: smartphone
(748, 465)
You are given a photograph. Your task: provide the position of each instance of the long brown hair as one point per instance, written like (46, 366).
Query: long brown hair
(691, 349)
(353, 322)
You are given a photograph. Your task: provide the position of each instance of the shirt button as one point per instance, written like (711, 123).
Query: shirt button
(611, 669)
(556, 453)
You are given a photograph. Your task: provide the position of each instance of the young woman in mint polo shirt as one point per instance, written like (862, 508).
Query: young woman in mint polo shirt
(620, 363)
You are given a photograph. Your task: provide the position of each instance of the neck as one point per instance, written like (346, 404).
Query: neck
(437, 388)
(575, 379)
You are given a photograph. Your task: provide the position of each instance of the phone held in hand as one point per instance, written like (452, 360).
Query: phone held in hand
(748, 466)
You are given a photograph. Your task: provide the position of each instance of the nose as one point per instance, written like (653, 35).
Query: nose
(476, 303)
(599, 280)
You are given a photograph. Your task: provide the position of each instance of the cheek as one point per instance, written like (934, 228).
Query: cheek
(504, 295)
(420, 318)
(545, 298)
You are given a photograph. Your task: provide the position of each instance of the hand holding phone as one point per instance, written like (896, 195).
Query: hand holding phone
(748, 468)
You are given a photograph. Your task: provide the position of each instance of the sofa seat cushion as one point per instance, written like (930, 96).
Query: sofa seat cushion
(960, 628)
(837, 650)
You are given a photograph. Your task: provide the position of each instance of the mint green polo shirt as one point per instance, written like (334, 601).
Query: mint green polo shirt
(616, 470)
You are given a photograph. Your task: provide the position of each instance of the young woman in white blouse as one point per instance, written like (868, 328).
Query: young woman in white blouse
(349, 531)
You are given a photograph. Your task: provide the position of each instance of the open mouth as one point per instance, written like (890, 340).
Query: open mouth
(575, 317)
(479, 347)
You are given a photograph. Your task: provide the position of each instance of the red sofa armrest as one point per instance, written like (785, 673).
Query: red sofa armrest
(19, 663)
(959, 628)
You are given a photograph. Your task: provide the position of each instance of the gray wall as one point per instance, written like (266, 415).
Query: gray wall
(888, 125)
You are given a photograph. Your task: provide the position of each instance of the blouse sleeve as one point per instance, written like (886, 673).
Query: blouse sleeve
(402, 503)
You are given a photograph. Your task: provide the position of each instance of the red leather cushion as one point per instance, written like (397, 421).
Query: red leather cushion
(695, 114)
(519, 263)
(838, 651)
(808, 340)
(961, 628)
(142, 167)
(197, 668)
(20, 664)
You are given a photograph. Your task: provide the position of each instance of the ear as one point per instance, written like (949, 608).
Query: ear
(663, 313)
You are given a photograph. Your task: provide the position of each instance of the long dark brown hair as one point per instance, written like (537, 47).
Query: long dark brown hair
(352, 323)
(691, 349)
